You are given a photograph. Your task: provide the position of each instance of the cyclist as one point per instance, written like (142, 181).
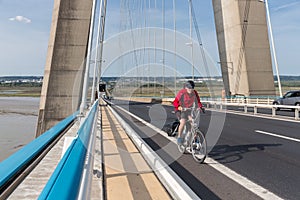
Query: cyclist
(186, 98)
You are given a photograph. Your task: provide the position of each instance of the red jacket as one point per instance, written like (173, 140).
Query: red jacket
(186, 100)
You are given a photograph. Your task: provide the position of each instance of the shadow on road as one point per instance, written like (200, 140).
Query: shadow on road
(228, 154)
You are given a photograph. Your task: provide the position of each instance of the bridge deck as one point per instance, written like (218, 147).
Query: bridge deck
(126, 173)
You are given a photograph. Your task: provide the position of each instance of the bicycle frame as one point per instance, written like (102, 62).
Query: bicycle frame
(194, 140)
(195, 113)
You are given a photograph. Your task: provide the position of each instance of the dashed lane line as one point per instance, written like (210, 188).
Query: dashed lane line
(277, 135)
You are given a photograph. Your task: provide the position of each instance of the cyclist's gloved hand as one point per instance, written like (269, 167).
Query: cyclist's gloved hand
(177, 113)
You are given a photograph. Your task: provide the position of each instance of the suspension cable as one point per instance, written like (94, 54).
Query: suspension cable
(163, 58)
(201, 48)
(175, 54)
(83, 104)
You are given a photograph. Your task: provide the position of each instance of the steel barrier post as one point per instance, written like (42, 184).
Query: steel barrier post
(255, 110)
(273, 111)
(297, 114)
(245, 108)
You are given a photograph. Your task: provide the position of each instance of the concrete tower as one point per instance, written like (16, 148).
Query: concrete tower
(244, 48)
(64, 70)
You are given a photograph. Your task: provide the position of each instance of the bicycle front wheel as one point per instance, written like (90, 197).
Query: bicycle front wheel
(181, 147)
(198, 146)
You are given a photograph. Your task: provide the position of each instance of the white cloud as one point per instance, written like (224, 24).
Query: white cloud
(20, 19)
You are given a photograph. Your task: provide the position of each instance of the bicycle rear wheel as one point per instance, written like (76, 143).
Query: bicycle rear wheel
(198, 146)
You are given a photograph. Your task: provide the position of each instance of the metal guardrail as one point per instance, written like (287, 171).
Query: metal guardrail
(254, 103)
(14, 165)
(255, 107)
(265, 101)
(65, 180)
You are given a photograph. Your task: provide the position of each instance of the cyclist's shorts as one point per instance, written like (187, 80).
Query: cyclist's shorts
(185, 114)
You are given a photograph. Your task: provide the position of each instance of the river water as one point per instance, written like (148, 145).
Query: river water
(18, 120)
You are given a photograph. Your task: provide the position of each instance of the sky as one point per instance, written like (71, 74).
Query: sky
(25, 27)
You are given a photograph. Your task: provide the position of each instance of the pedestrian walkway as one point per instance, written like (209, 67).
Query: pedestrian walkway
(119, 169)
(126, 173)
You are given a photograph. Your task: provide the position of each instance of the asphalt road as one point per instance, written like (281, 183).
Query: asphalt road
(264, 151)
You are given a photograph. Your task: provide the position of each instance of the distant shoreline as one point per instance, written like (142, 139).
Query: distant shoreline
(20, 91)
(31, 86)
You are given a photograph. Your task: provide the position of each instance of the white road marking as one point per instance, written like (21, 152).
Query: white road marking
(241, 180)
(279, 136)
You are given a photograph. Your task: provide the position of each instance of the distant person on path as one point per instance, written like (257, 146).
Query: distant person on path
(186, 98)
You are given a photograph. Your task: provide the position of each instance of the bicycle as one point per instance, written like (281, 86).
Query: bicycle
(193, 139)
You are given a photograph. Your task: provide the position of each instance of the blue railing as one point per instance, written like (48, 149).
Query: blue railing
(65, 180)
(18, 161)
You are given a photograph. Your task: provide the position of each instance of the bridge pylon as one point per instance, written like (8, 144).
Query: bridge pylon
(64, 71)
(244, 47)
